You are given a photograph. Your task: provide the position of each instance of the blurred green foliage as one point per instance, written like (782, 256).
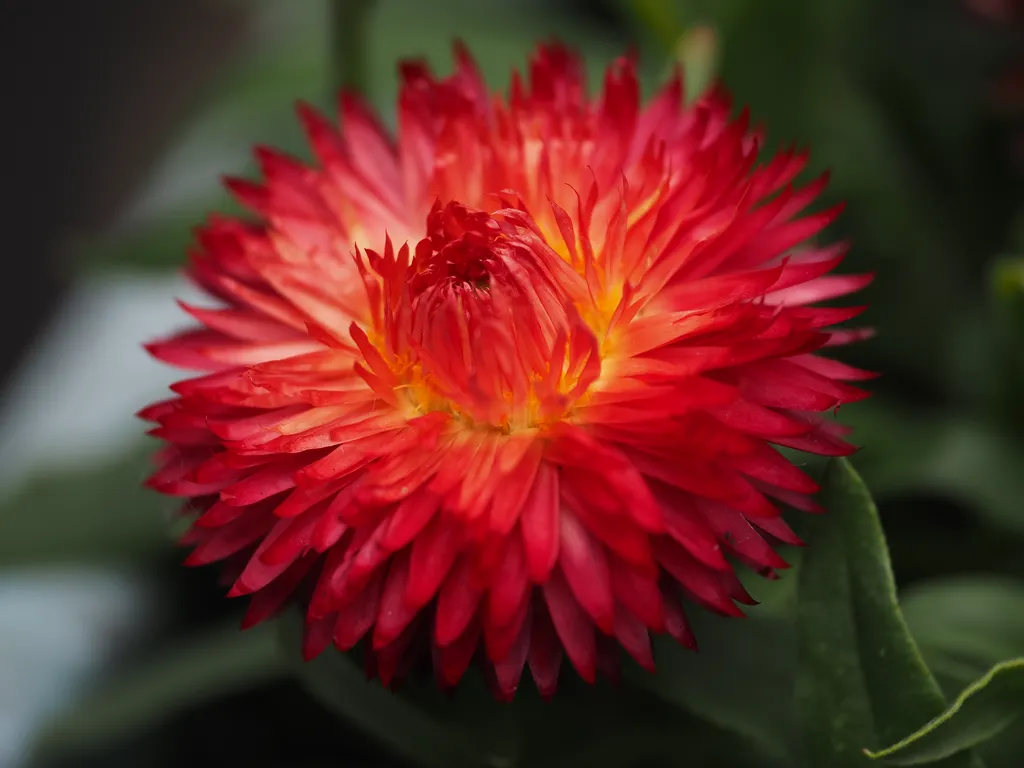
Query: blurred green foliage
(95, 516)
(891, 98)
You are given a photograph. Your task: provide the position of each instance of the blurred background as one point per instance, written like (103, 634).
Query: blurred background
(120, 116)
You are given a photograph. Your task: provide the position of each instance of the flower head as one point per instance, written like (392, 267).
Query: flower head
(508, 388)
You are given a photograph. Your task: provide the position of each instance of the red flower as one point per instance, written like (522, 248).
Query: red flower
(508, 387)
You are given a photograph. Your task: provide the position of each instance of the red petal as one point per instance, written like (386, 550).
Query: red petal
(258, 573)
(514, 492)
(433, 554)
(739, 536)
(269, 600)
(456, 603)
(632, 634)
(638, 591)
(585, 565)
(316, 636)
(355, 619)
(572, 626)
(219, 543)
(275, 479)
(452, 660)
(686, 526)
(676, 623)
(394, 660)
(540, 524)
(499, 639)
(395, 613)
(545, 654)
(510, 584)
(409, 519)
(777, 527)
(700, 581)
(509, 669)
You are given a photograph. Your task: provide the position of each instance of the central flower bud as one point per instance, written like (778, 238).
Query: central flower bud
(460, 252)
(492, 337)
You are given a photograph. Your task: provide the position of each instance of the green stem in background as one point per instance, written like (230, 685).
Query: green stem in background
(349, 43)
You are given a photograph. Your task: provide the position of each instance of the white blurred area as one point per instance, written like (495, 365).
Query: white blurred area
(73, 403)
(71, 407)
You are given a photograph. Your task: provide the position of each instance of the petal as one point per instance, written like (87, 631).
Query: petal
(585, 566)
(545, 654)
(395, 613)
(355, 619)
(540, 524)
(432, 556)
(572, 625)
(456, 603)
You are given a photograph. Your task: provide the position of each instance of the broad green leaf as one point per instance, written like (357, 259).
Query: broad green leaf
(85, 516)
(193, 672)
(982, 711)
(861, 682)
(400, 726)
(740, 680)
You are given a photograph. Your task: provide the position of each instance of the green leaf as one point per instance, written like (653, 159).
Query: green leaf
(200, 669)
(97, 515)
(406, 730)
(982, 711)
(861, 680)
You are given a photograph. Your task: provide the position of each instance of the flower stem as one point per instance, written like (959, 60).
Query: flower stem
(348, 43)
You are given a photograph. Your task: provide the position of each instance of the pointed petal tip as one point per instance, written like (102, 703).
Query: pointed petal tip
(154, 484)
(461, 53)
(237, 590)
(145, 414)
(194, 560)
(304, 109)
